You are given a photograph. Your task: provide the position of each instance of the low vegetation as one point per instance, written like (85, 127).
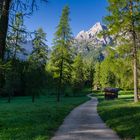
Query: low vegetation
(24, 120)
(122, 114)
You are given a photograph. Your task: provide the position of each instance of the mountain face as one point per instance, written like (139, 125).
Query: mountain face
(27, 46)
(89, 43)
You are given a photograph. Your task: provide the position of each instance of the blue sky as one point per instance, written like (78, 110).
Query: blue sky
(83, 14)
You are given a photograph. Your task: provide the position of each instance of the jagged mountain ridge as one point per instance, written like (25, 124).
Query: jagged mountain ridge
(89, 42)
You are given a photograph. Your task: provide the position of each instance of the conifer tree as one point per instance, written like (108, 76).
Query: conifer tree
(124, 24)
(16, 36)
(39, 54)
(60, 61)
(37, 61)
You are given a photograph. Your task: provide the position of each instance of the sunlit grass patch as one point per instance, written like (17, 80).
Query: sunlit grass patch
(122, 114)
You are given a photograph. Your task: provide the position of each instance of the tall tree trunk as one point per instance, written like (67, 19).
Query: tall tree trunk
(135, 59)
(60, 81)
(135, 73)
(1, 3)
(4, 26)
(4, 18)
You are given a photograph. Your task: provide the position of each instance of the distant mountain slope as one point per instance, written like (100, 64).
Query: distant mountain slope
(28, 48)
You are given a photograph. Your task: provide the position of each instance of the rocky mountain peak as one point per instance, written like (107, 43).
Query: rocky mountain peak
(91, 32)
(96, 28)
(89, 41)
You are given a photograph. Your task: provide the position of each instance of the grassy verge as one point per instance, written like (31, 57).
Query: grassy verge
(122, 115)
(23, 120)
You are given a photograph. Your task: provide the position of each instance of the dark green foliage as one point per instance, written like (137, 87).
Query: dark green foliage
(15, 80)
(4, 67)
(78, 74)
(35, 81)
(35, 75)
(39, 55)
(12, 84)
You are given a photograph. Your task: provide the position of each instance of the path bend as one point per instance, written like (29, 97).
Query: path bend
(84, 123)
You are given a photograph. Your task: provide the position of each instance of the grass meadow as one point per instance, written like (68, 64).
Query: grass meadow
(24, 120)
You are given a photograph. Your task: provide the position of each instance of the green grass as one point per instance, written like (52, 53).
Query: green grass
(24, 120)
(122, 115)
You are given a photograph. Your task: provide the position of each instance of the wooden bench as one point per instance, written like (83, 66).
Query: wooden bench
(111, 93)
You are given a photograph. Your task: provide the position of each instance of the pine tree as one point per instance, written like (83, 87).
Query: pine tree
(124, 23)
(16, 36)
(12, 81)
(37, 61)
(39, 54)
(60, 61)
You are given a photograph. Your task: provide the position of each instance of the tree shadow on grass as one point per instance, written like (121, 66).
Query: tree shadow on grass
(121, 115)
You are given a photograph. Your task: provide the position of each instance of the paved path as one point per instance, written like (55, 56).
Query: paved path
(84, 123)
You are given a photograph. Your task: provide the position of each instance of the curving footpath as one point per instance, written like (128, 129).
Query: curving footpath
(84, 123)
